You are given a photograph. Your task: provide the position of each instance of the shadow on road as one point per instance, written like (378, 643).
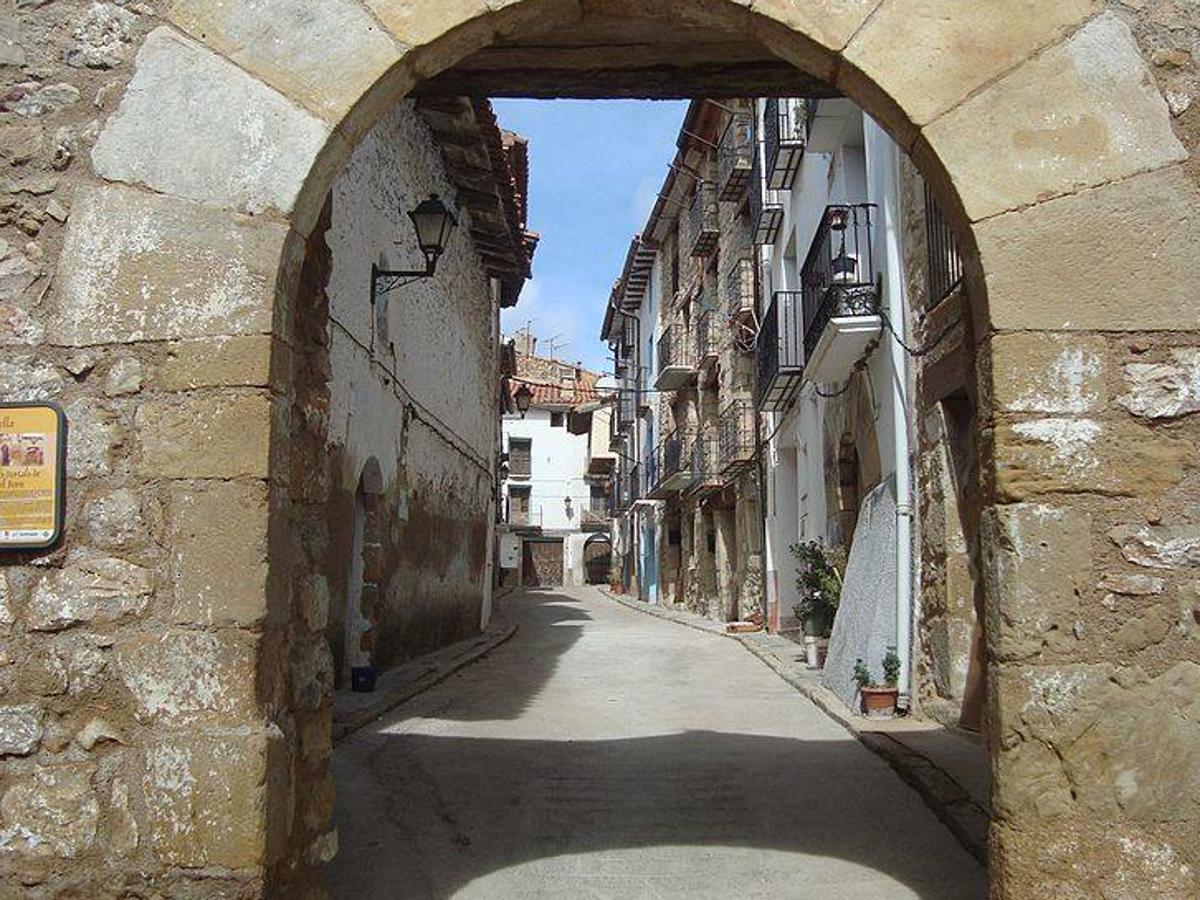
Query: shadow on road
(425, 815)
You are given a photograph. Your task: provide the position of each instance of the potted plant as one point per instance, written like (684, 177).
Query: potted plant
(878, 701)
(820, 588)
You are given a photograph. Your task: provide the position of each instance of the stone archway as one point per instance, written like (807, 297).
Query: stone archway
(1045, 139)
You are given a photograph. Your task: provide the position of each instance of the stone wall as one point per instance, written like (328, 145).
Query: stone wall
(159, 315)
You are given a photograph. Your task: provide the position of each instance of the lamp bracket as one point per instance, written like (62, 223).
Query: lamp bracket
(384, 281)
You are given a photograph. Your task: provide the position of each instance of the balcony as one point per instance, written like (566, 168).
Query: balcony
(735, 155)
(841, 298)
(598, 517)
(784, 127)
(739, 290)
(673, 465)
(676, 358)
(736, 437)
(766, 212)
(704, 227)
(779, 353)
(706, 474)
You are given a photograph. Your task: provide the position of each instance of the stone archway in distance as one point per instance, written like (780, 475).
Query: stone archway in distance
(1044, 137)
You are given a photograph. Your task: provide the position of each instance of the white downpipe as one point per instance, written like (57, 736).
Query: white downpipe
(896, 304)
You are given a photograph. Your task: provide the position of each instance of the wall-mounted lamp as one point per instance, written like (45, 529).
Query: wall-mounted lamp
(433, 223)
(523, 395)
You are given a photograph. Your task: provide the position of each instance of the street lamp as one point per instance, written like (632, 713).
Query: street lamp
(523, 395)
(433, 223)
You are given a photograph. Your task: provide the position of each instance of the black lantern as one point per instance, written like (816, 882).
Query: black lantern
(523, 395)
(433, 223)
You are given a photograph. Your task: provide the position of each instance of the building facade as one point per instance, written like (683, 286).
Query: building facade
(557, 490)
(680, 327)
(776, 397)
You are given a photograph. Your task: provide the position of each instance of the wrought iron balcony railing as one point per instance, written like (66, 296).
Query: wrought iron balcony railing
(838, 277)
(676, 357)
(736, 433)
(766, 212)
(705, 227)
(626, 406)
(707, 348)
(735, 156)
(784, 128)
(706, 470)
(673, 464)
(779, 353)
(944, 260)
(739, 289)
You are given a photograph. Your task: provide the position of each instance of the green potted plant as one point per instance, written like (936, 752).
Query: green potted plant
(820, 588)
(878, 701)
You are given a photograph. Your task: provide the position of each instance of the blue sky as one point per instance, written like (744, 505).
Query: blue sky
(595, 169)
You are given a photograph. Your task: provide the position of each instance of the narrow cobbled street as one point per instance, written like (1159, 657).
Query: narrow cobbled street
(605, 753)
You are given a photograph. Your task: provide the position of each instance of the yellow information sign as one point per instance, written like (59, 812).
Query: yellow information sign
(33, 441)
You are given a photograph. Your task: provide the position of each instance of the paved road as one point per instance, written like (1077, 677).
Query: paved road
(604, 753)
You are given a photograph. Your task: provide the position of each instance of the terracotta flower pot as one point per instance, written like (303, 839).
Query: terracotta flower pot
(879, 702)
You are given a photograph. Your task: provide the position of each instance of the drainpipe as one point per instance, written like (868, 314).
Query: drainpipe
(899, 367)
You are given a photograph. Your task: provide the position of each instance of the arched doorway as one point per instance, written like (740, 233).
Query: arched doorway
(597, 559)
(1052, 152)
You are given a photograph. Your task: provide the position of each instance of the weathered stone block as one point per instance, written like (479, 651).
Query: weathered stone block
(323, 55)
(53, 812)
(205, 436)
(206, 795)
(1164, 390)
(1061, 374)
(1145, 631)
(1159, 546)
(114, 520)
(93, 432)
(1037, 561)
(124, 377)
(183, 677)
(1189, 609)
(20, 729)
(830, 23)
(102, 589)
(1137, 760)
(1103, 120)
(1115, 257)
(961, 51)
(313, 602)
(235, 360)
(26, 377)
(123, 835)
(137, 266)
(312, 675)
(102, 35)
(1132, 585)
(194, 125)
(1084, 455)
(219, 570)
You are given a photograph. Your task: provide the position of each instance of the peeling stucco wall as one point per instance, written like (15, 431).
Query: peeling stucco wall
(414, 386)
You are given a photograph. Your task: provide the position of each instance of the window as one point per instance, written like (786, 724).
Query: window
(518, 505)
(558, 420)
(520, 457)
(599, 498)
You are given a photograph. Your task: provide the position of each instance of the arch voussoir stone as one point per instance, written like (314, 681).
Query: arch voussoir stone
(324, 56)
(1082, 113)
(194, 125)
